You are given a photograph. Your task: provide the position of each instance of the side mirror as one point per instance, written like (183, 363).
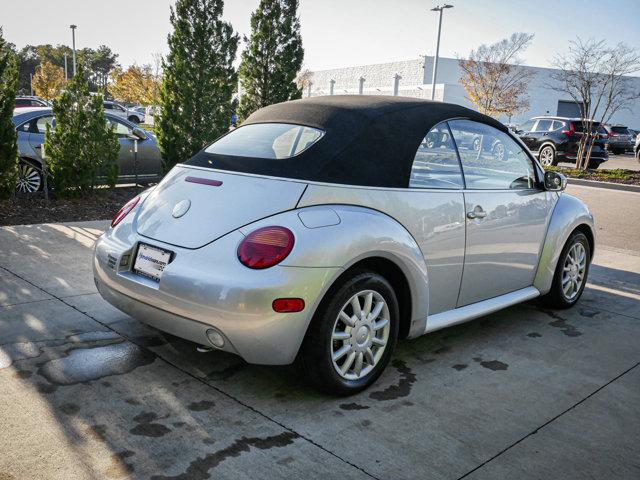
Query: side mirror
(139, 134)
(554, 181)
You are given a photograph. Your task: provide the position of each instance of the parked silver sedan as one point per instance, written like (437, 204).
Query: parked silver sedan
(31, 124)
(325, 229)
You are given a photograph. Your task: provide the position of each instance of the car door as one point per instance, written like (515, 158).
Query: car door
(507, 213)
(539, 134)
(37, 131)
(524, 132)
(436, 215)
(126, 155)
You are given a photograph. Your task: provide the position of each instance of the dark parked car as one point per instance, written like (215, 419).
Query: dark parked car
(556, 139)
(30, 101)
(31, 124)
(621, 139)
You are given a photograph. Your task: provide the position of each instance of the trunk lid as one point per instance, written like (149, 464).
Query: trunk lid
(192, 207)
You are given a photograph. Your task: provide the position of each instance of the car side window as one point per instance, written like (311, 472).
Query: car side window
(527, 126)
(490, 158)
(436, 163)
(41, 124)
(557, 125)
(121, 130)
(543, 125)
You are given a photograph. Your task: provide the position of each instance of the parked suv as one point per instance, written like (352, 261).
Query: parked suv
(621, 139)
(120, 111)
(555, 139)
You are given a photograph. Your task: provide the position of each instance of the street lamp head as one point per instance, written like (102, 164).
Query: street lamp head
(440, 8)
(73, 27)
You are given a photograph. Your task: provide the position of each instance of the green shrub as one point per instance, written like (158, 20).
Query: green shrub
(8, 136)
(81, 145)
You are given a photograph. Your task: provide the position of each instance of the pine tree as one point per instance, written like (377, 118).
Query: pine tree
(273, 56)
(82, 145)
(8, 136)
(199, 80)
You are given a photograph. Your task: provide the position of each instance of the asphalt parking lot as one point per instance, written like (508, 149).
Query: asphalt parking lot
(626, 161)
(87, 392)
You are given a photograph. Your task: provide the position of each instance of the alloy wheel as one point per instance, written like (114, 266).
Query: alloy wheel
(29, 178)
(573, 271)
(546, 156)
(360, 335)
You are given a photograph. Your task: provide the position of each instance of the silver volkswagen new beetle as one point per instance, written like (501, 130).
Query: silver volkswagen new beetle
(323, 230)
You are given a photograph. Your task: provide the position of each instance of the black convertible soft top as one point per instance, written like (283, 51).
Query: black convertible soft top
(369, 140)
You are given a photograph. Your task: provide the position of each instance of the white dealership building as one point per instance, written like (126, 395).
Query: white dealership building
(412, 78)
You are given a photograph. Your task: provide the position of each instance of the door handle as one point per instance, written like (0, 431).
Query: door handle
(477, 212)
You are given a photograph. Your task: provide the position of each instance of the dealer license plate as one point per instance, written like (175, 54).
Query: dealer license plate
(150, 261)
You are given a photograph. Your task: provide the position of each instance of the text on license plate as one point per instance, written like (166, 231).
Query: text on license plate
(150, 261)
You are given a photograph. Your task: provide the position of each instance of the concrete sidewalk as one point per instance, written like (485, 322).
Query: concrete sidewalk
(87, 392)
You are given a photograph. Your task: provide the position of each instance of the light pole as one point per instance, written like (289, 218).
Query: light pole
(435, 59)
(73, 41)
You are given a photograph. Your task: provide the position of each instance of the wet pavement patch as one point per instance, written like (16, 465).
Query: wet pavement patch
(201, 406)
(147, 427)
(534, 335)
(561, 323)
(353, 406)
(491, 364)
(402, 388)
(587, 312)
(199, 468)
(92, 363)
(459, 366)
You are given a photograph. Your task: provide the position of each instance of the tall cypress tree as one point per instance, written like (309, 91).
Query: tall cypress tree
(8, 136)
(273, 56)
(199, 80)
(82, 145)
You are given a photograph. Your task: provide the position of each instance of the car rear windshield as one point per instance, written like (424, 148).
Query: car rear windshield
(595, 127)
(623, 130)
(272, 141)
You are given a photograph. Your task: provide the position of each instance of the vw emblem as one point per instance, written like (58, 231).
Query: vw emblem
(181, 208)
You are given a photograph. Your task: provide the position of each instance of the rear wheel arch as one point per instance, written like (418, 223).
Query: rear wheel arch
(392, 272)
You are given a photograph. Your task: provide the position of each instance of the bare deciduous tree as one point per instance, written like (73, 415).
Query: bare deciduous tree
(494, 78)
(595, 76)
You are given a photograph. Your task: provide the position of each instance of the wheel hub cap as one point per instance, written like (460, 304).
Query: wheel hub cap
(573, 271)
(360, 335)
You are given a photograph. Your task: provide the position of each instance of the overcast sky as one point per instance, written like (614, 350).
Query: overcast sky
(336, 33)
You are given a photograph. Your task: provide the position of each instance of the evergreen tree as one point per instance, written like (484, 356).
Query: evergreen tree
(199, 80)
(82, 144)
(273, 56)
(8, 136)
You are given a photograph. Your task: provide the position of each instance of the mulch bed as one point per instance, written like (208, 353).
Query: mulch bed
(626, 177)
(29, 209)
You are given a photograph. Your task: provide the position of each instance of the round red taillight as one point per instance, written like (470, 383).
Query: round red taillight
(125, 210)
(265, 247)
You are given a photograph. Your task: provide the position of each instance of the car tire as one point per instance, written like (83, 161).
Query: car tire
(593, 165)
(30, 179)
(547, 156)
(571, 272)
(334, 349)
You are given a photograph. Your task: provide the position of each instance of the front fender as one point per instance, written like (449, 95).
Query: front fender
(342, 235)
(568, 214)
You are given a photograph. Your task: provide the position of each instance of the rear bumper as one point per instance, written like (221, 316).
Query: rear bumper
(208, 289)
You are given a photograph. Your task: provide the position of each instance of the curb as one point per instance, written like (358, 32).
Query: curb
(608, 185)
